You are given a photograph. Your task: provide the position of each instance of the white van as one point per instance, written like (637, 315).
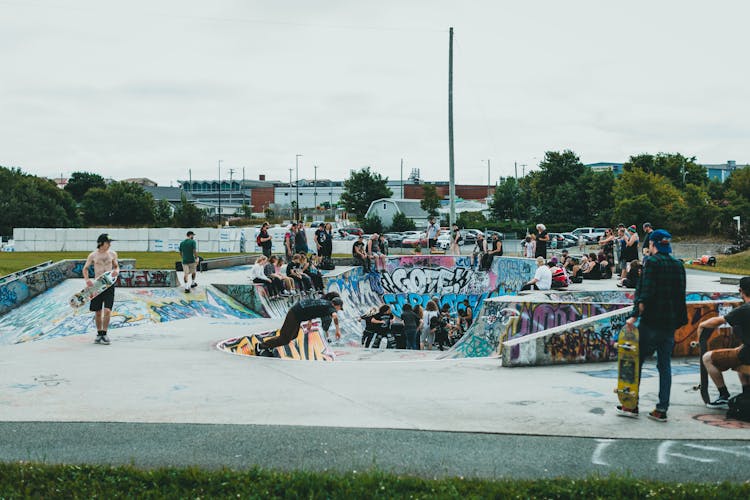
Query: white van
(591, 234)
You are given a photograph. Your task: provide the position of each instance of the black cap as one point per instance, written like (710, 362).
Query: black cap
(190, 233)
(745, 285)
(336, 301)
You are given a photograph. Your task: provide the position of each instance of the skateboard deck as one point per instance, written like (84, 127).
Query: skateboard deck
(99, 285)
(628, 373)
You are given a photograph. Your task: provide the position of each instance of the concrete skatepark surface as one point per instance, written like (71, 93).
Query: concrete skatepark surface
(167, 370)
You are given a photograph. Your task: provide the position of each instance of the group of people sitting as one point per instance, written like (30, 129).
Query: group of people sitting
(298, 276)
(374, 251)
(417, 328)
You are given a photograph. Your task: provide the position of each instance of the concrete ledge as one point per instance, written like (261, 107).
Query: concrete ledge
(147, 278)
(729, 280)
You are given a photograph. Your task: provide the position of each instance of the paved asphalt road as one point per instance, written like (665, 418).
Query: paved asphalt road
(420, 453)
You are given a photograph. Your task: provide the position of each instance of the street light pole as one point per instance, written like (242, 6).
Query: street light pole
(315, 187)
(296, 163)
(220, 191)
(290, 193)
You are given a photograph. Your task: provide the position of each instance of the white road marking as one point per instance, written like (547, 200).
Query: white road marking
(663, 454)
(596, 457)
(721, 450)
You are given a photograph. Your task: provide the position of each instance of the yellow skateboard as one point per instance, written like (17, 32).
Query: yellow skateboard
(628, 373)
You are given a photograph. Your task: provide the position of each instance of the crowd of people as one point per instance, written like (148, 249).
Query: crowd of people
(617, 257)
(417, 327)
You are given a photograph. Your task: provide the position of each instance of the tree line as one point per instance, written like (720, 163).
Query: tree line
(87, 200)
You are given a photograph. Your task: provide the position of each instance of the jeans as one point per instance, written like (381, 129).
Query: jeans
(659, 340)
(411, 338)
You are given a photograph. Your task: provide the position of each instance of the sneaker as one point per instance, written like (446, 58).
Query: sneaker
(658, 415)
(721, 403)
(102, 339)
(194, 285)
(187, 290)
(627, 412)
(98, 339)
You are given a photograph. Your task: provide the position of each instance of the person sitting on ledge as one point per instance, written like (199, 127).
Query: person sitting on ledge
(542, 279)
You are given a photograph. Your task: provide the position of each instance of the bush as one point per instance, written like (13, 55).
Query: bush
(372, 225)
(402, 223)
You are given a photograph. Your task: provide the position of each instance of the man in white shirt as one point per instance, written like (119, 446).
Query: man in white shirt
(432, 233)
(542, 279)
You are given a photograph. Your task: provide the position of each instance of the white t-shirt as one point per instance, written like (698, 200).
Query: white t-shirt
(543, 276)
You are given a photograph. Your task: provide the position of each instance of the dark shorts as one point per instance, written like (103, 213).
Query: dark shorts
(726, 359)
(106, 299)
(431, 243)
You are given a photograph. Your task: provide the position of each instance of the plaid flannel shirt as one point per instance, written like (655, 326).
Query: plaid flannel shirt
(661, 290)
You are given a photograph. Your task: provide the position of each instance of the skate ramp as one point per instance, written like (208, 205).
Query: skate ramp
(49, 315)
(306, 346)
(593, 339)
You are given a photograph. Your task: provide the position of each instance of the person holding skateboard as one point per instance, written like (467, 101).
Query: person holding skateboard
(324, 308)
(719, 360)
(189, 254)
(660, 305)
(103, 259)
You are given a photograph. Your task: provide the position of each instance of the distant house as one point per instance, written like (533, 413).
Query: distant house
(141, 181)
(387, 208)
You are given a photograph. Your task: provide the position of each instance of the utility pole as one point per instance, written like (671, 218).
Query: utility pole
(488, 178)
(451, 169)
(296, 163)
(290, 193)
(515, 167)
(315, 187)
(231, 173)
(523, 170)
(402, 178)
(220, 192)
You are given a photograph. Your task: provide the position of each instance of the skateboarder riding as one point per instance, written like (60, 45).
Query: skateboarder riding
(103, 259)
(324, 308)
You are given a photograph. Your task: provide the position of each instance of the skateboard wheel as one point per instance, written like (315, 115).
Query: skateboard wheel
(693, 344)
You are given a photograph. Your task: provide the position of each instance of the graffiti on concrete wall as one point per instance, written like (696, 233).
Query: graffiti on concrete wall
(538, 316)
(698, 312)
(145, 278)
(486, 333)
(310, 346)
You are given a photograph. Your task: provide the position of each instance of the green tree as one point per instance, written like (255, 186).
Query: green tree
(641, 197)
(471, 220)
(401, 222)
(361, 189)
(596, 194)
(30, 201)
(699, 211)
(557, 191)
(739, 182)
(673, 166)
(188, 215)
(372, 224)
(430, 201)
(246, 210)
(504, 203)
(163, 213)
(120, 204)
(80, 182)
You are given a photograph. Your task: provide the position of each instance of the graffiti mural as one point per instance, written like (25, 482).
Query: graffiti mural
(50, 316)
(486, 333)
(310, 346)
(144, 278)
(588, 340)
(535, 317)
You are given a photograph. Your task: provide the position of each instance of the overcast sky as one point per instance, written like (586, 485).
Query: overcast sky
(157, 88)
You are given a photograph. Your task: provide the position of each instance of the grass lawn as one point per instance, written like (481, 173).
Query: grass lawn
(35, 480)
(15, 261)
(728, 264)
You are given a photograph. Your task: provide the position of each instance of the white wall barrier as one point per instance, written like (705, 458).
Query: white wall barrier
(166, 239)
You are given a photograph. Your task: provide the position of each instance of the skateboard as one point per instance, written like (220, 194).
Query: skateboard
(628, 373)
(99, 285)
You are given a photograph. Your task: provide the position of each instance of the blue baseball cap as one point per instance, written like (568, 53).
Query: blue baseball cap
(662, 241)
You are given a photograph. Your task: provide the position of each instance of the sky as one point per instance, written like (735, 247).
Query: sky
(166, 89)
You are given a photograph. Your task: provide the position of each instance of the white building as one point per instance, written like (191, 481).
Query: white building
(387, 208)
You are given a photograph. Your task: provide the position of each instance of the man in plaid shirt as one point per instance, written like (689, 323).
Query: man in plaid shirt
(660, 305)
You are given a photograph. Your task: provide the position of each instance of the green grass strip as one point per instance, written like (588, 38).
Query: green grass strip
(32, 480)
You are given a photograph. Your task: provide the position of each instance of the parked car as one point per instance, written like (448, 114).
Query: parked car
(591, 234)
(394, 239)
(469, 236)
(571, 239)
(444, 242)
(488, 234)
(556, 240)
(356, 231)
(414, 240)
(343, 235)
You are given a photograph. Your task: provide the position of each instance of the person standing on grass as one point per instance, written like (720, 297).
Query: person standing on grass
(103, 259)
(659, 303)
(189, 255)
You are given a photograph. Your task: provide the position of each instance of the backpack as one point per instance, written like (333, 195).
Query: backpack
(257, 240)
(739, 407)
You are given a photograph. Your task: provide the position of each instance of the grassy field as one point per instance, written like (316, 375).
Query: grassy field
(15, 261)
(30, 480)
(730, 264)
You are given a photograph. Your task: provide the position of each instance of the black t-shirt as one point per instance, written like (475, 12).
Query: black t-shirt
(321, 237)
(541, 246)
(308, 309)
(410, 319)
(354, 248)
(386, 322)
(739, 318)
(291, 267)
(265, 244)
